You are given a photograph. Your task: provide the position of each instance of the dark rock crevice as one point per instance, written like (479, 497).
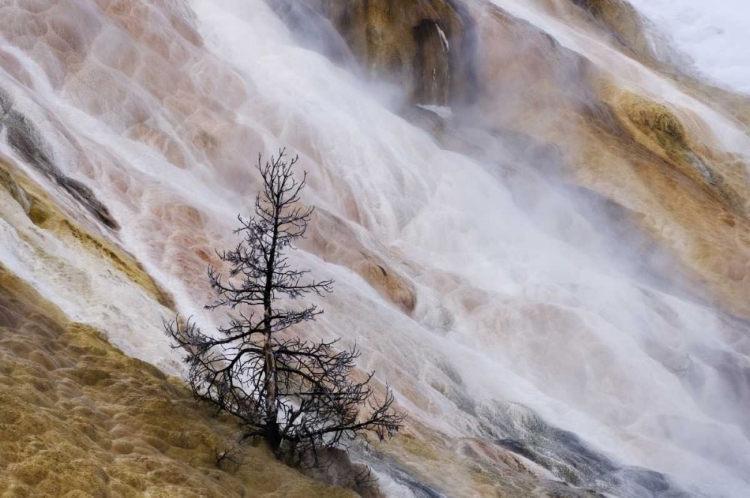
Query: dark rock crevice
(25, 139)
(432, 68)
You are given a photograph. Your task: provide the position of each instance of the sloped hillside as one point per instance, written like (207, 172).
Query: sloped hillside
(80, 418)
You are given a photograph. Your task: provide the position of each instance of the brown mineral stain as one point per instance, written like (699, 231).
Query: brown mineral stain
(78, 417)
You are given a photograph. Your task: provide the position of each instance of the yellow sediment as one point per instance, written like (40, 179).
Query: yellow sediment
(658, 160)
(469, 467)
(45, 214)
(78, 417)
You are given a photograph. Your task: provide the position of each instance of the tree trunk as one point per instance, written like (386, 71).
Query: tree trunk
(273, 434)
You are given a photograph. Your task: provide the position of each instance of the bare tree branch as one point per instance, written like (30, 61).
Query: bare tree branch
(297, 395)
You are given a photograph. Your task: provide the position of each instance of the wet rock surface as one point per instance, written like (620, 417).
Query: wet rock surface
(564, 105)
(426, 46)
(27, 141)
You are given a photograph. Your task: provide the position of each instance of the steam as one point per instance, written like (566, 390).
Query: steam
(517, 327)
(710, 34)
(629, 73)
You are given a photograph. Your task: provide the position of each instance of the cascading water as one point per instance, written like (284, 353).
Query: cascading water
(504, 332)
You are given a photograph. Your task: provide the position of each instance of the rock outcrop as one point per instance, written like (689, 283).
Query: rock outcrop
(424, 46)
(614, 141)
(622, 20)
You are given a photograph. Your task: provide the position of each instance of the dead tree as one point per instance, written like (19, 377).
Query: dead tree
(297, 395)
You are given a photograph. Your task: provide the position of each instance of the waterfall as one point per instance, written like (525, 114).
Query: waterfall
(509, 312)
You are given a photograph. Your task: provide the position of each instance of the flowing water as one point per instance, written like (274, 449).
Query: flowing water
(513, 331)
